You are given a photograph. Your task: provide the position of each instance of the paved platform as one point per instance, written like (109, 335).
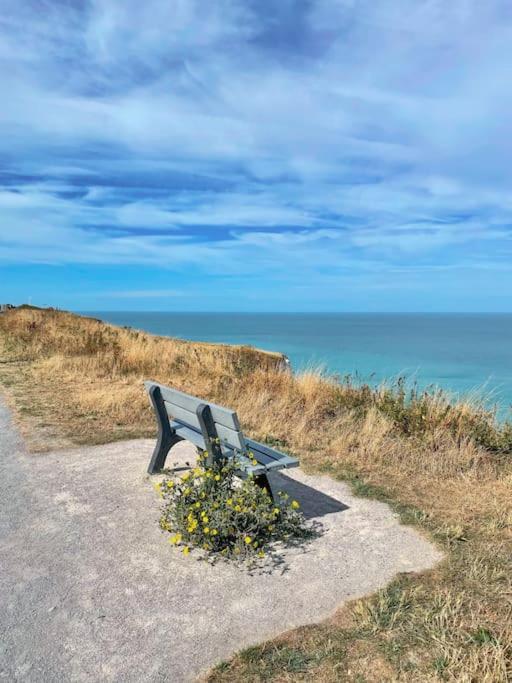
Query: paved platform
(90, 590)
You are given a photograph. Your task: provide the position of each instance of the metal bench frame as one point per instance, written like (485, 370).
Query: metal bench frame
(205, 435)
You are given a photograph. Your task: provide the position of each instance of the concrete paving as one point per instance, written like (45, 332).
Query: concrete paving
(90, 590)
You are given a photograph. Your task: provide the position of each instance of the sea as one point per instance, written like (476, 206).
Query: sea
(468, 355)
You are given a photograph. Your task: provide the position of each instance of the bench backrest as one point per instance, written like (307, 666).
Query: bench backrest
(182, 408)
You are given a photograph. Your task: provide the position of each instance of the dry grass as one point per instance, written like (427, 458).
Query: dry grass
(445, 468)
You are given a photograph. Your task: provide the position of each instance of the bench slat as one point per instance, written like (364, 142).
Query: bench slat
(264, 453)
(267, 463)
(183, 415)
(272, 463)
(226, 435)
(264, 462)
(197, 439)
(189, 434)
(247, 466)
(222, 416)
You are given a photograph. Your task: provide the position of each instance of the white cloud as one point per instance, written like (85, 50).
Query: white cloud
(380, 130)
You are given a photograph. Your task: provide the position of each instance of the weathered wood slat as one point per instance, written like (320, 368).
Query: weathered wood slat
(221, 416)
(262, 452)
(268, 462)
(188, 434)
(245, 462)
(230, 437)
(226, 435)
(197, 439)
(247, 466)
(183, 415)
(263, 461)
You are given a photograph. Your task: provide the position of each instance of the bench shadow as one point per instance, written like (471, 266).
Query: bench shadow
(313, 503)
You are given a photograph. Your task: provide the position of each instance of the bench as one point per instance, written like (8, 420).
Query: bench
(212, 429)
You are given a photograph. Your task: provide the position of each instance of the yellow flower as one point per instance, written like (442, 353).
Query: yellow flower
(261, 554)
(229, 501)
(186, 476)
(213, 532)
(175, 539)
(275, 511)
(217, 477)
(198, 472)
(248, 540)
(186, 550)
(295, 505)
(197, 505)
(254, 461)
(170, 484)
(237, 508)
(206, 530)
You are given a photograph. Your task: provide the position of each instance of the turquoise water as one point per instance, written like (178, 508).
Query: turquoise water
(463, 353)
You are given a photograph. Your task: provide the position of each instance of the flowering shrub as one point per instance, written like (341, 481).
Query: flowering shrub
(211, 509)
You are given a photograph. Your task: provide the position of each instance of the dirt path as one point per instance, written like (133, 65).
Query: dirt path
(91, 591)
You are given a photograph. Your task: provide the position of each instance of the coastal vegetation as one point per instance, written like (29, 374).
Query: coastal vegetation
(210, 510)
(444, 466)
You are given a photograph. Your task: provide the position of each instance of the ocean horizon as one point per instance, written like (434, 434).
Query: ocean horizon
(466, 354)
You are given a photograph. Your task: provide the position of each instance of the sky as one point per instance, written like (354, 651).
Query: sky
(256, 155)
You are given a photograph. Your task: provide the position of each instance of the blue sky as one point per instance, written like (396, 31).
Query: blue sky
(350, 155)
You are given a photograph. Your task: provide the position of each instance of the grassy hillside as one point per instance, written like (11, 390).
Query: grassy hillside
(445, 468)
(77, 380)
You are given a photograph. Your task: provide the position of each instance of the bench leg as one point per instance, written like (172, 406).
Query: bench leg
(263, 481)
(162, 448)
(167, 437)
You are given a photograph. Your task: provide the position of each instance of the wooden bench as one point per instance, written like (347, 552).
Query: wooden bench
(212, 429)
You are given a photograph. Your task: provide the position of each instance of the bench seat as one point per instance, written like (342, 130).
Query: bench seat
(267, 458)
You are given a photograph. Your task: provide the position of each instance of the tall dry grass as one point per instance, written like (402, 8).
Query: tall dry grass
(445, 467)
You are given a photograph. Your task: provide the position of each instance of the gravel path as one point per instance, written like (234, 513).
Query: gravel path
(91, 591)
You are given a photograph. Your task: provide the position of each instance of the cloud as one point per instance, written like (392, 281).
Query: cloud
(334, 137)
